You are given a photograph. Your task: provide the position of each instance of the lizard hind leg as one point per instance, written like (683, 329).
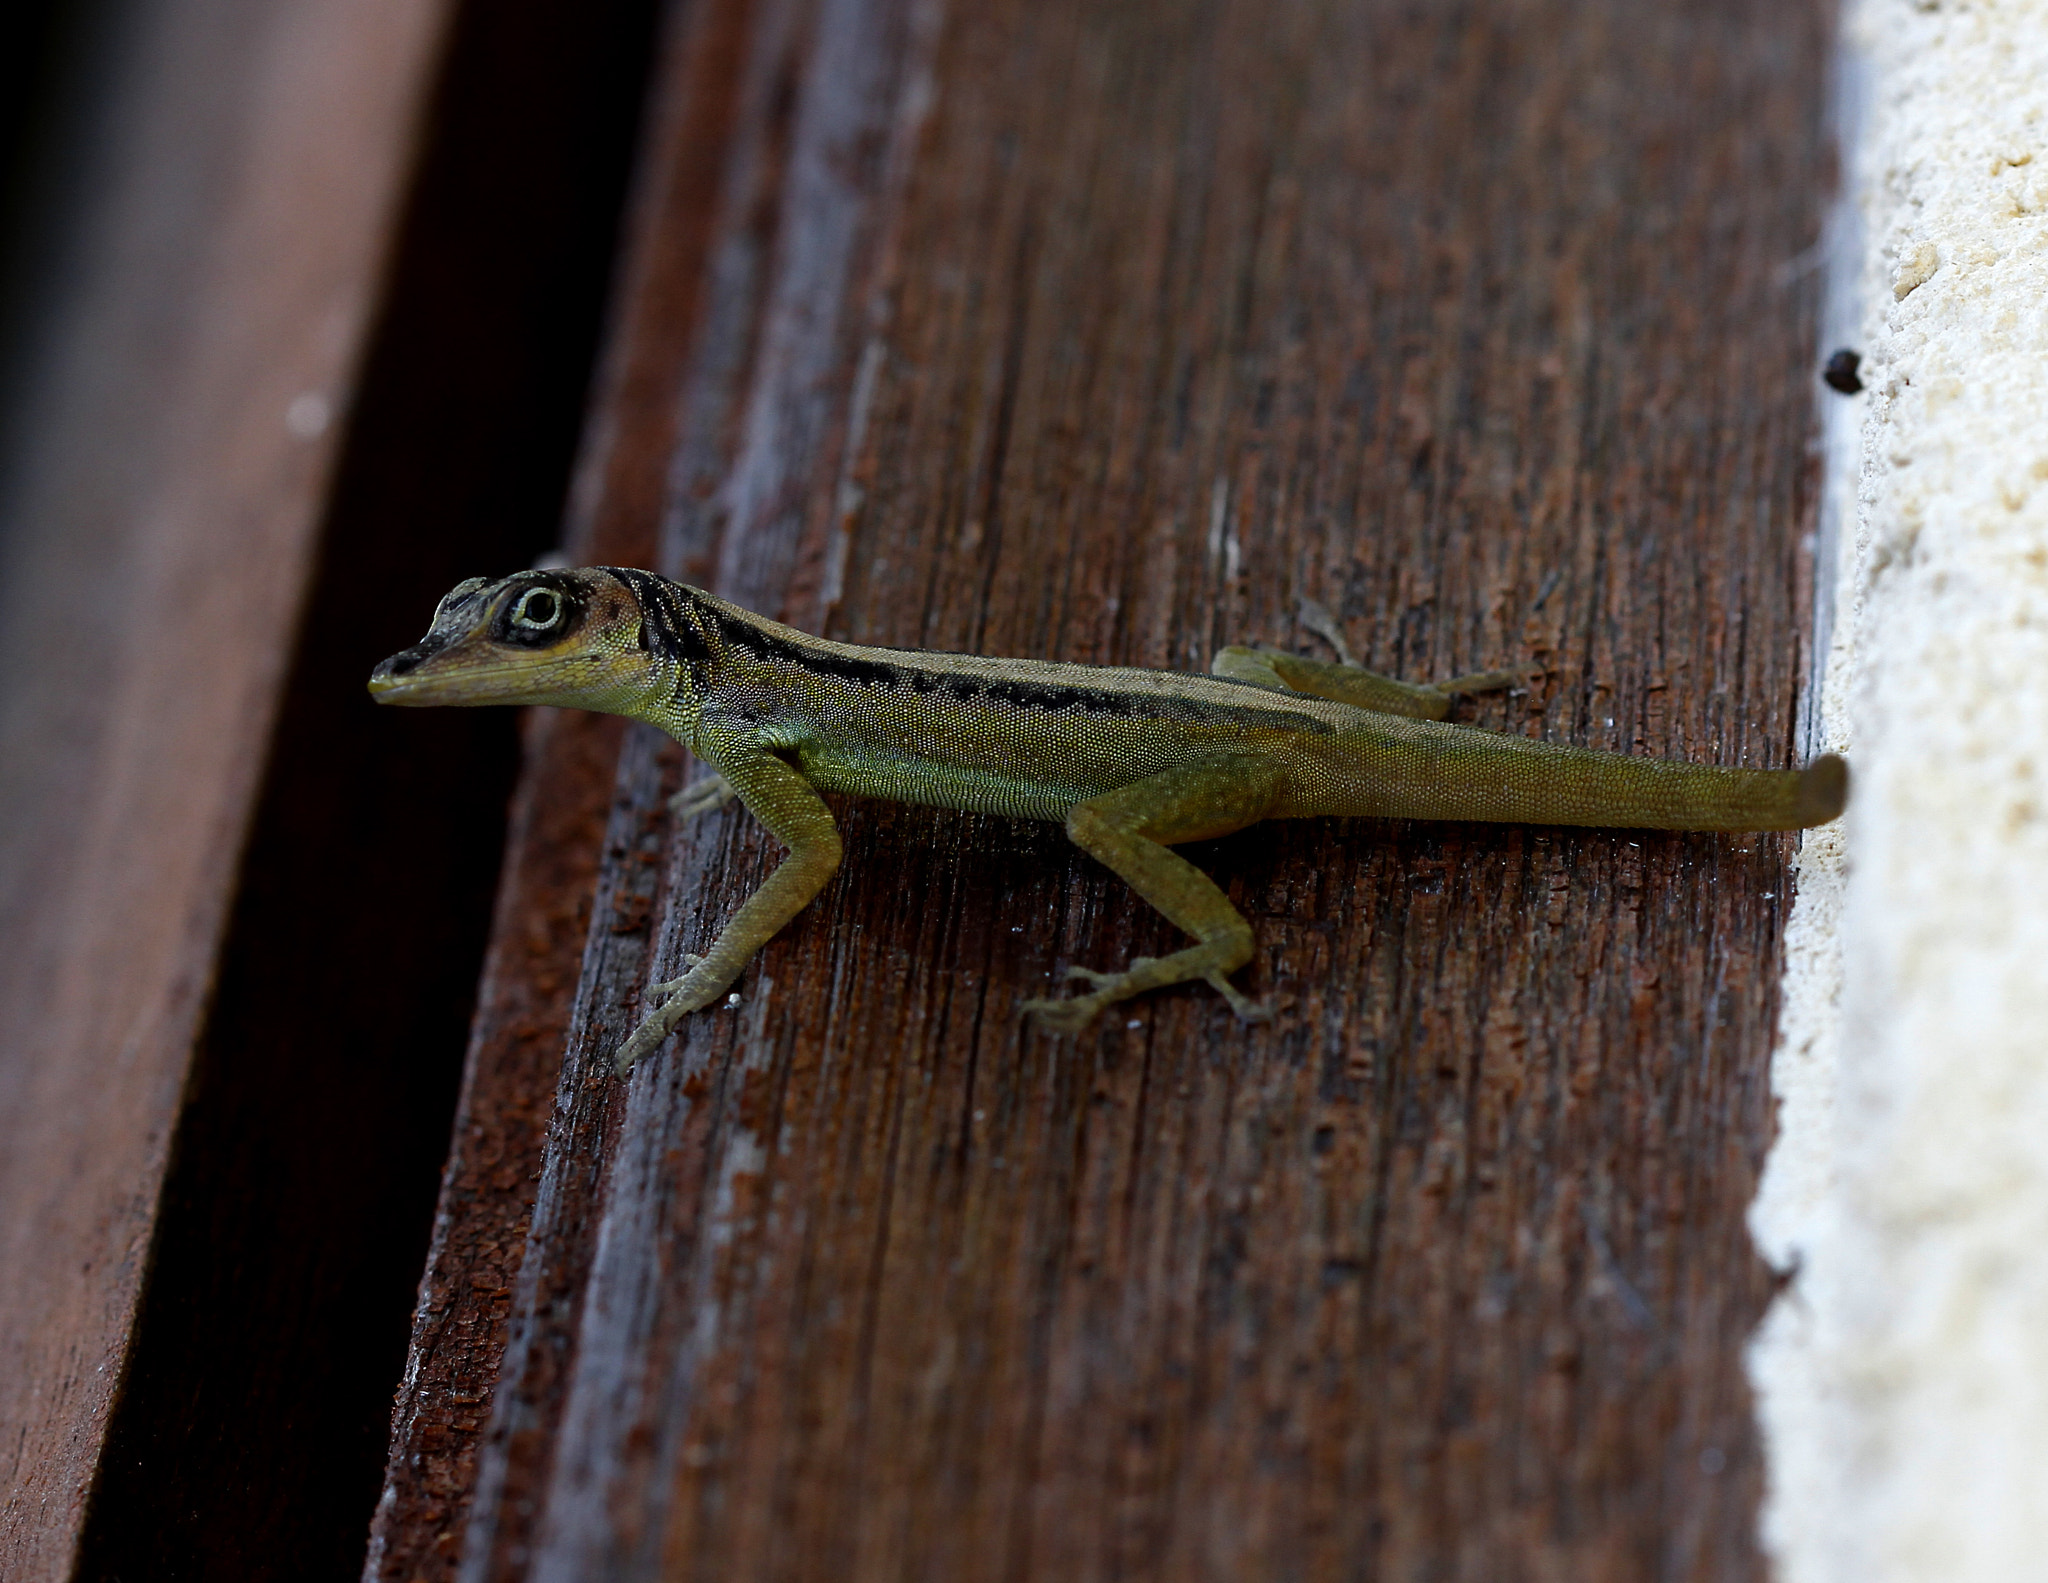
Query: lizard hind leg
(1129, 830)
(1352, 684)
(1348, 682)
(1317, 619)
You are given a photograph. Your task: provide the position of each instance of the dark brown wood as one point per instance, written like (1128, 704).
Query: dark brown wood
(249, 1439)
(1111, 332)
(320, 347)
(163, 495)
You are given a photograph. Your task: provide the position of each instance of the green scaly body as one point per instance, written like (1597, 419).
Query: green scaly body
(1131, 761)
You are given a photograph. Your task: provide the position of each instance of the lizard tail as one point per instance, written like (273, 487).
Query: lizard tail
(1823, 790)
(1422, 770)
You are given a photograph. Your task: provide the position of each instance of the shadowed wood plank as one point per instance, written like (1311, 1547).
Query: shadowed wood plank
(1111, 333)
(172, 460)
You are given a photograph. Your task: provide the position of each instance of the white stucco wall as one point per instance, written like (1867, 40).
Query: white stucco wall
(1903, 1378)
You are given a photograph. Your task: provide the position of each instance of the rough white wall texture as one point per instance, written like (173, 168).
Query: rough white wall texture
(1903, 1378)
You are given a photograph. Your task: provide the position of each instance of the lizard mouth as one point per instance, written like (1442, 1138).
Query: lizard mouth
(473, 670)
(411, 677)
(396, 674)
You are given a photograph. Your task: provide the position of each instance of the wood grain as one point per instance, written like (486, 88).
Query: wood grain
(1111, 333)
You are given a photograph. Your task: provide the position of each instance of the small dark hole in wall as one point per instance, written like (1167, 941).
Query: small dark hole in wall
(1841, 372)
(248, 1440)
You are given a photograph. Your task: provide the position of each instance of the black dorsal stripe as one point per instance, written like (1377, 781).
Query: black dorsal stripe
(1051, 698)
(670, 620)
(1027, 696)
(680, 625)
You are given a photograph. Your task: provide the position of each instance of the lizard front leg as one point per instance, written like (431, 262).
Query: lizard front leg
(1130, 830)
(796, 815)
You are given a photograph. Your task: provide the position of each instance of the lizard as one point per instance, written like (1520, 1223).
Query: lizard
(1133, 762)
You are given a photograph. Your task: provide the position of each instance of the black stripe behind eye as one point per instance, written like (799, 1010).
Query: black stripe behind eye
(670, 620)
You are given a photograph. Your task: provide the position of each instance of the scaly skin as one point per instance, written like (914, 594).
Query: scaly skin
(1132, 762)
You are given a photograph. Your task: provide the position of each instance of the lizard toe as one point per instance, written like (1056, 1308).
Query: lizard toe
(1063, 1016)
(1247, 1009)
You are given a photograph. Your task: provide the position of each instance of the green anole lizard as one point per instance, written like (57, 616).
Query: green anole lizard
(1133, 762)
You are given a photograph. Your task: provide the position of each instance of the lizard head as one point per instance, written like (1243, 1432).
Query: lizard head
(557, 637)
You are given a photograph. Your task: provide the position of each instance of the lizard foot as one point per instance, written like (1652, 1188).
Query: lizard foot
(1064, 1016)
(1074, 1014)
(701, 797)
(670, 1003)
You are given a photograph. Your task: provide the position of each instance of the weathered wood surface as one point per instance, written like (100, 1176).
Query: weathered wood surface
(1111, 332)
(169, 457)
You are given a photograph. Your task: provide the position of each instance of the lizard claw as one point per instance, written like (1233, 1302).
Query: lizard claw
(1317, 619)
(658, 993)
(1247, 1009)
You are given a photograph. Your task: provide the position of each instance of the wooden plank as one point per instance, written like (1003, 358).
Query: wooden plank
(168, 474)
(250, 1436)
(1112, 332)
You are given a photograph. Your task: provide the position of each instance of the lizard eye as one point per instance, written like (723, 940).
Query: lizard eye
(537, 615)
(538, 610)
